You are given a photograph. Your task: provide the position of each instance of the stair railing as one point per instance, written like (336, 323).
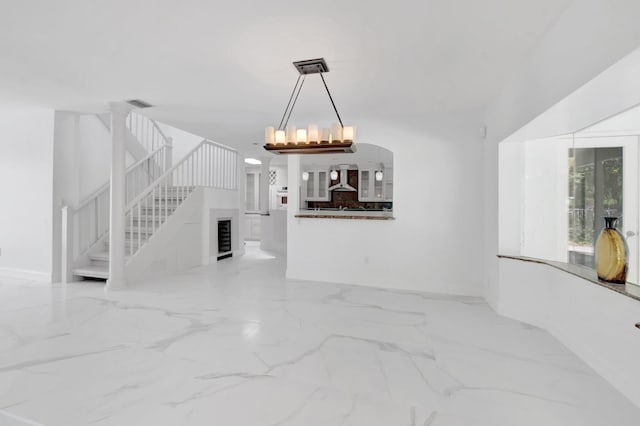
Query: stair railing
(146, 130)
(209, 165)
(90, 220)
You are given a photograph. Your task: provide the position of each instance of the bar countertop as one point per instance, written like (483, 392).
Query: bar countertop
(346, 214)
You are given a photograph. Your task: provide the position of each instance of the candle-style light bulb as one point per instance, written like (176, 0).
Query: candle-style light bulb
(280, 137)
(269, 135)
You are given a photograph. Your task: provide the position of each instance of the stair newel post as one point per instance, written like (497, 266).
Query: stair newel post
(117, 213)
(67, 245)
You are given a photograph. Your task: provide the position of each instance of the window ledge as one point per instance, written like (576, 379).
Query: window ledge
(629, 289)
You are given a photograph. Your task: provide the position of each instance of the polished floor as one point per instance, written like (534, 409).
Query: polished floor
(237, 344)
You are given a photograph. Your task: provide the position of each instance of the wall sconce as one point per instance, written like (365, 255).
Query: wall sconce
(333, 175)
(379, 175)
(305, 176)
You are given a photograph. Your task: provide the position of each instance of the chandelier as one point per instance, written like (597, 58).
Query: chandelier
(287, 139)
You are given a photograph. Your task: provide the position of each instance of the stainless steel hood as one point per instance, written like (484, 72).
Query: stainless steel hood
(343, 185)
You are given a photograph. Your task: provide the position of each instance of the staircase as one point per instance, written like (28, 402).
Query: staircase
(154, 192)
(142, 225)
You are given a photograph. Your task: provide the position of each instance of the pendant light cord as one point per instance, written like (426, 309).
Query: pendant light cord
(331, 99)
(295, 99)
(293, 93)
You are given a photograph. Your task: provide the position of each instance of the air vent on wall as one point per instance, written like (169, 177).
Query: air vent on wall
(138, 103)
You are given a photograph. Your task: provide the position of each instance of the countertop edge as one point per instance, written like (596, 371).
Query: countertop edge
(331, 216)
(579, 271)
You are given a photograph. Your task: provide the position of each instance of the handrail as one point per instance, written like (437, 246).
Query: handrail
(146, 131)
(155, 124)
(91, 217)
(174, 168)
(208, 164)
(106, 185)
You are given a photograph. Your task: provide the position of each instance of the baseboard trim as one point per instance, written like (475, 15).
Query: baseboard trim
(25, 274)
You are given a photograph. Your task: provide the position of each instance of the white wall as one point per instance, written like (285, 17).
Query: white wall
(183, 142)
(94, 154)
(594, 322)
(26, 173)
(81, 165)
(185, 239)
(273, 230)
(569, 83)
(544, 207)
(435, 242)
(588, 38)
(510, 190)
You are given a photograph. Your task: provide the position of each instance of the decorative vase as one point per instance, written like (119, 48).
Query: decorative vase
(611, 253)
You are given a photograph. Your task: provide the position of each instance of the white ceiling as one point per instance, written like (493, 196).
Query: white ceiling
(223, 69)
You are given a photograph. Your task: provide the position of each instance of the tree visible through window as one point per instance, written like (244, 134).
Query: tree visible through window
(595, 191)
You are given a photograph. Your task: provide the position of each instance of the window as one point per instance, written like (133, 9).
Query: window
(554, 193)
(595, 191)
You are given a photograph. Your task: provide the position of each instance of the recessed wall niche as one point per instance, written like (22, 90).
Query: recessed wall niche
(555, 192)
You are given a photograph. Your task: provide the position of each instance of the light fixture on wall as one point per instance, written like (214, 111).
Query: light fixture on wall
(379, 175)
(305, 176)
(333, 175)
(309, 140)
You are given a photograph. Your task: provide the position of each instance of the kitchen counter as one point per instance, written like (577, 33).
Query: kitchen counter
(346, 214)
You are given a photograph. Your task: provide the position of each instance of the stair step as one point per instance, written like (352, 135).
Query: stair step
(144, 230)
(101, 258)
(129, 243)
(149, 218)
(170, 197)
(92, 271)
(148, 210)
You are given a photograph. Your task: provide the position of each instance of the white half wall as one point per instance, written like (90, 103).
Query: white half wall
(586, 40)
(184, 241)
(183, 141)
(544, 207)
(594, 322)
(26, 174)
(81, 165)
(435, 242)
(273, 229)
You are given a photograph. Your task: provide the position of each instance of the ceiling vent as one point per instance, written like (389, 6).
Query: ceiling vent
(138, 103)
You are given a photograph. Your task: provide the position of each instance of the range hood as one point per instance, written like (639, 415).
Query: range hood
(343, 185)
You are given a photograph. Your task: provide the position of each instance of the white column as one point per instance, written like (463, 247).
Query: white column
(117, 222)
(264, 185)
(66, 274)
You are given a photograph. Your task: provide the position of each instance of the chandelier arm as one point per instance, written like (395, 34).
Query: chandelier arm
(331, 99)
(289, 103)
(295, 100)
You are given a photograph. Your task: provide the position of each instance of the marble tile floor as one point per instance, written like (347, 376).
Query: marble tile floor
(237, 344)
